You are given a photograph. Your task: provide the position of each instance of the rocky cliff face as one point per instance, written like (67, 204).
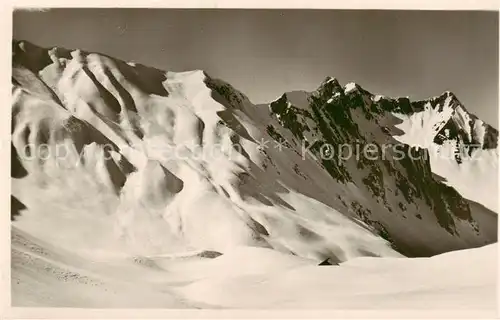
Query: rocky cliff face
(395, 177)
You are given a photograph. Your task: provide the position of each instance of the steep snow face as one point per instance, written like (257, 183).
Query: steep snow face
(462, 148)
(421, 127)
(472, 177)
(161, 162)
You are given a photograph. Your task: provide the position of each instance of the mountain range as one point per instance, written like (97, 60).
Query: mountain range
(116, 164)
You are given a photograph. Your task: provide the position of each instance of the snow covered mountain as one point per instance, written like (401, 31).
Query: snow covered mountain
(401, 181)
(125, 165)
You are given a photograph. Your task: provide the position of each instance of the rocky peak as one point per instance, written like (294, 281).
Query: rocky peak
(328, 88)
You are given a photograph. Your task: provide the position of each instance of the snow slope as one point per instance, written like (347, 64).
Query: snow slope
(137, 187)
(364, 283)
(251, 277)
(136, 163)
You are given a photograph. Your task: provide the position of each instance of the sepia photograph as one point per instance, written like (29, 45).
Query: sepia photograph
(254, 159)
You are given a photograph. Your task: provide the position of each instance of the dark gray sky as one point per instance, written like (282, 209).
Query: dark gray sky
(267, 52)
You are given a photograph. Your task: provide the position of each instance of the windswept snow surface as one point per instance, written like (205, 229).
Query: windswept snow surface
(153, 167)
(136, 187)
(251, 277)
(367, 283)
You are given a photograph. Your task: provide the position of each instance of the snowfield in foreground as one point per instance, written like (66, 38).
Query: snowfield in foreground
(251, 277)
